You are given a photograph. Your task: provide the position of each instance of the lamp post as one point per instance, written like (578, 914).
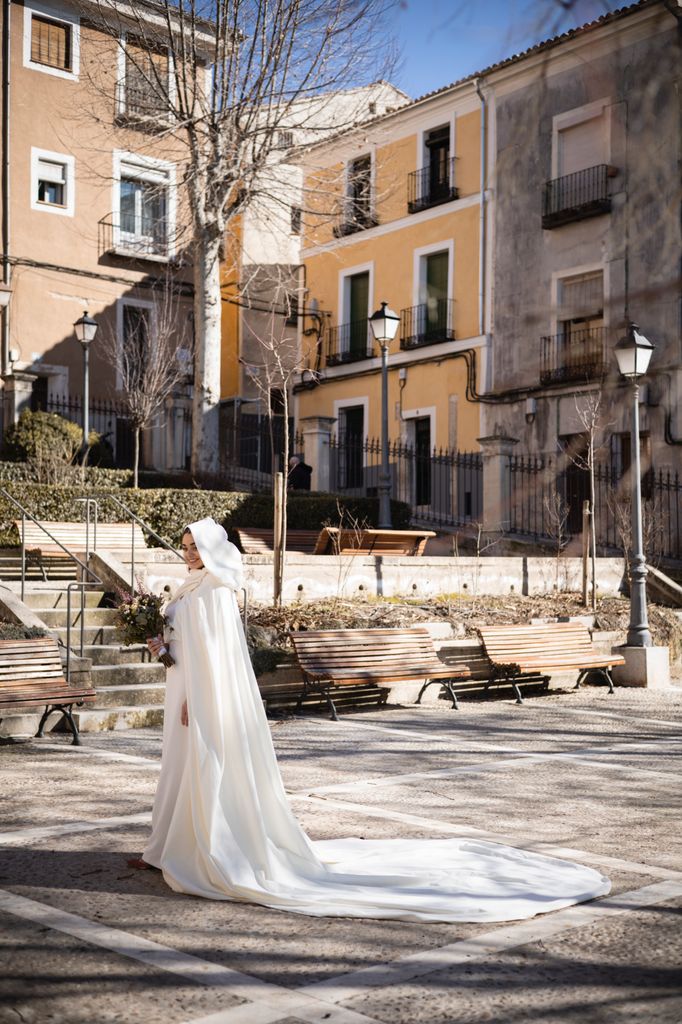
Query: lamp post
(5, 295)
(86, 329)
(633, 353)
(384, 323)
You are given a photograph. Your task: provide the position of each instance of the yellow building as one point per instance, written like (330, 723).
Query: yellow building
(393, 213)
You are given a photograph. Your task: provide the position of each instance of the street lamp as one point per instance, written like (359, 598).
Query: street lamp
(633, 353)
(86, 329)
(384, 323)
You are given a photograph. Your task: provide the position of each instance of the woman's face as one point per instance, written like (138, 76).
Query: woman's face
(190, 553)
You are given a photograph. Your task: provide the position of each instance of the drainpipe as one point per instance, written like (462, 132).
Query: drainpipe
(482, 226)
(6, 16)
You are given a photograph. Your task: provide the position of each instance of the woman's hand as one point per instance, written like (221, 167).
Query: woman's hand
(184, 717)
(155, 643)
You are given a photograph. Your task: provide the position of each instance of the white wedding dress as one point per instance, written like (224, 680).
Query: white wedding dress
(222, 826)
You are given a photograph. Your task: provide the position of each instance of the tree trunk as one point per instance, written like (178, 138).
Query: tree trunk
(206, 395)
(593, 528)
(136, 457)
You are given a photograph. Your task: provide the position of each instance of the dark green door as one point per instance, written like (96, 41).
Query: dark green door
(422, 452)
(436, 293)
(359, 309)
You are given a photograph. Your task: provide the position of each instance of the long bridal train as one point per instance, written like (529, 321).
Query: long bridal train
(222, 827)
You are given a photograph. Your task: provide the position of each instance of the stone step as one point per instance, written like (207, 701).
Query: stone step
(128, 696)
(91, 635)
(114, 654)
(43, 598)
(105, 719)
(93, 616)
(128, 674)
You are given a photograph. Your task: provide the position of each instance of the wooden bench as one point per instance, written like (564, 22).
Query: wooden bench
(335, 541)
(351, 657)
(525, 653)
(31, 674)
(41, 550)
(261, 542)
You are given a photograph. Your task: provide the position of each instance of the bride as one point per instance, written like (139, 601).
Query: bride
(222, 826)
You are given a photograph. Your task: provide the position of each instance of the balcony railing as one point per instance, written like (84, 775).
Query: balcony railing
(356, 218)
(576, 196)
(578, 356)
(152, 242)
(427, 323)
(428, 187)
(348, 343)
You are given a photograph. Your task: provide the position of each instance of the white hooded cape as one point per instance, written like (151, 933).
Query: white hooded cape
(222, 826)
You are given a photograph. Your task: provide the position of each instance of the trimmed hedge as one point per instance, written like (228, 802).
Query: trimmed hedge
(13, 631)
(167, 511)
(95, 476)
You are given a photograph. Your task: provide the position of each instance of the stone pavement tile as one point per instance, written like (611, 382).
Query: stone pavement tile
(51, 978)
(623, 970)
(44, 787)
(564, 803)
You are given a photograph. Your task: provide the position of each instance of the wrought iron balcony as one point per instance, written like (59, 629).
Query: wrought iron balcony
(576, 196)
(358, 218)
(348, 343)
(430, 187)
(427, 324)
(147, 241)
(578, 356)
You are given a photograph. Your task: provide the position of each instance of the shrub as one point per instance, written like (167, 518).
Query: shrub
(37, 433)
(313, 511)
(168, 511)
(14, 631)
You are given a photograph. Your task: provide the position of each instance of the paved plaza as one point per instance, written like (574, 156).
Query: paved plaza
(589, 776)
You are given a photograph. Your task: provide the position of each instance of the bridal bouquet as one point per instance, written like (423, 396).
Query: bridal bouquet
(139, 618)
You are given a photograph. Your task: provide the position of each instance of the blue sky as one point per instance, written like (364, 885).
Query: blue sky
(443, 40)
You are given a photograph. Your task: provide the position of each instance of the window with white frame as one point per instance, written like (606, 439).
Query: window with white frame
(52, 182)
(144, 207)
(581, 139)
(359, 192)
(51, 39)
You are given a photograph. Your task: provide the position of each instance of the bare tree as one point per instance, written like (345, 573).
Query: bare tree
(278, 363)
(590, 414)
(556, 520)
(152, 359)
(224, 79)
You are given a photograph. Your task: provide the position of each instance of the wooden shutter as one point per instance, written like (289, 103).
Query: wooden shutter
(582, 145)
(50, 43)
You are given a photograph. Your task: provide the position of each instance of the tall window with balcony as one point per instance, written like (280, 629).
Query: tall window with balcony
(350, 342)
(431, 320)
(145, 88)
(141, 225)
(581, 187)
(358, 213)
(433, 183)
(576, 353)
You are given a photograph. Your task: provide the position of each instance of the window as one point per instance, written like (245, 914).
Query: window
(581, 304)
(581, 145)
(52, 182)
(146, 82)
(291, 318)
(351, 446)
(431, 319)
(285, 140)
(51, 39)
(144, 212)
(296, 218)
(437, 144)
(357, 208)
(136, 332)
(50, 43)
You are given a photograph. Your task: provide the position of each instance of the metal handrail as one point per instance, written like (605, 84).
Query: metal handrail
(136, 519)
(26, 514)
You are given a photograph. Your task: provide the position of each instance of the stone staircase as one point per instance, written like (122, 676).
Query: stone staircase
(130, 689)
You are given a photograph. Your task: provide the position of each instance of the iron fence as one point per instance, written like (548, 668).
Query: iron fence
(546, 501)
(443, 487)
(430, 186)
(427, 323)
(252, 447)
(107, 418)
(578, 355)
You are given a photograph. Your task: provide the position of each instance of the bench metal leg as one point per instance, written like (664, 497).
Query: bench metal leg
(604, 672)
(330, 702)
(66, 712)
(514, 684)
(441, 682)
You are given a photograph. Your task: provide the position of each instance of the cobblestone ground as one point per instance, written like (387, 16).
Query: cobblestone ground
(591, 776)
